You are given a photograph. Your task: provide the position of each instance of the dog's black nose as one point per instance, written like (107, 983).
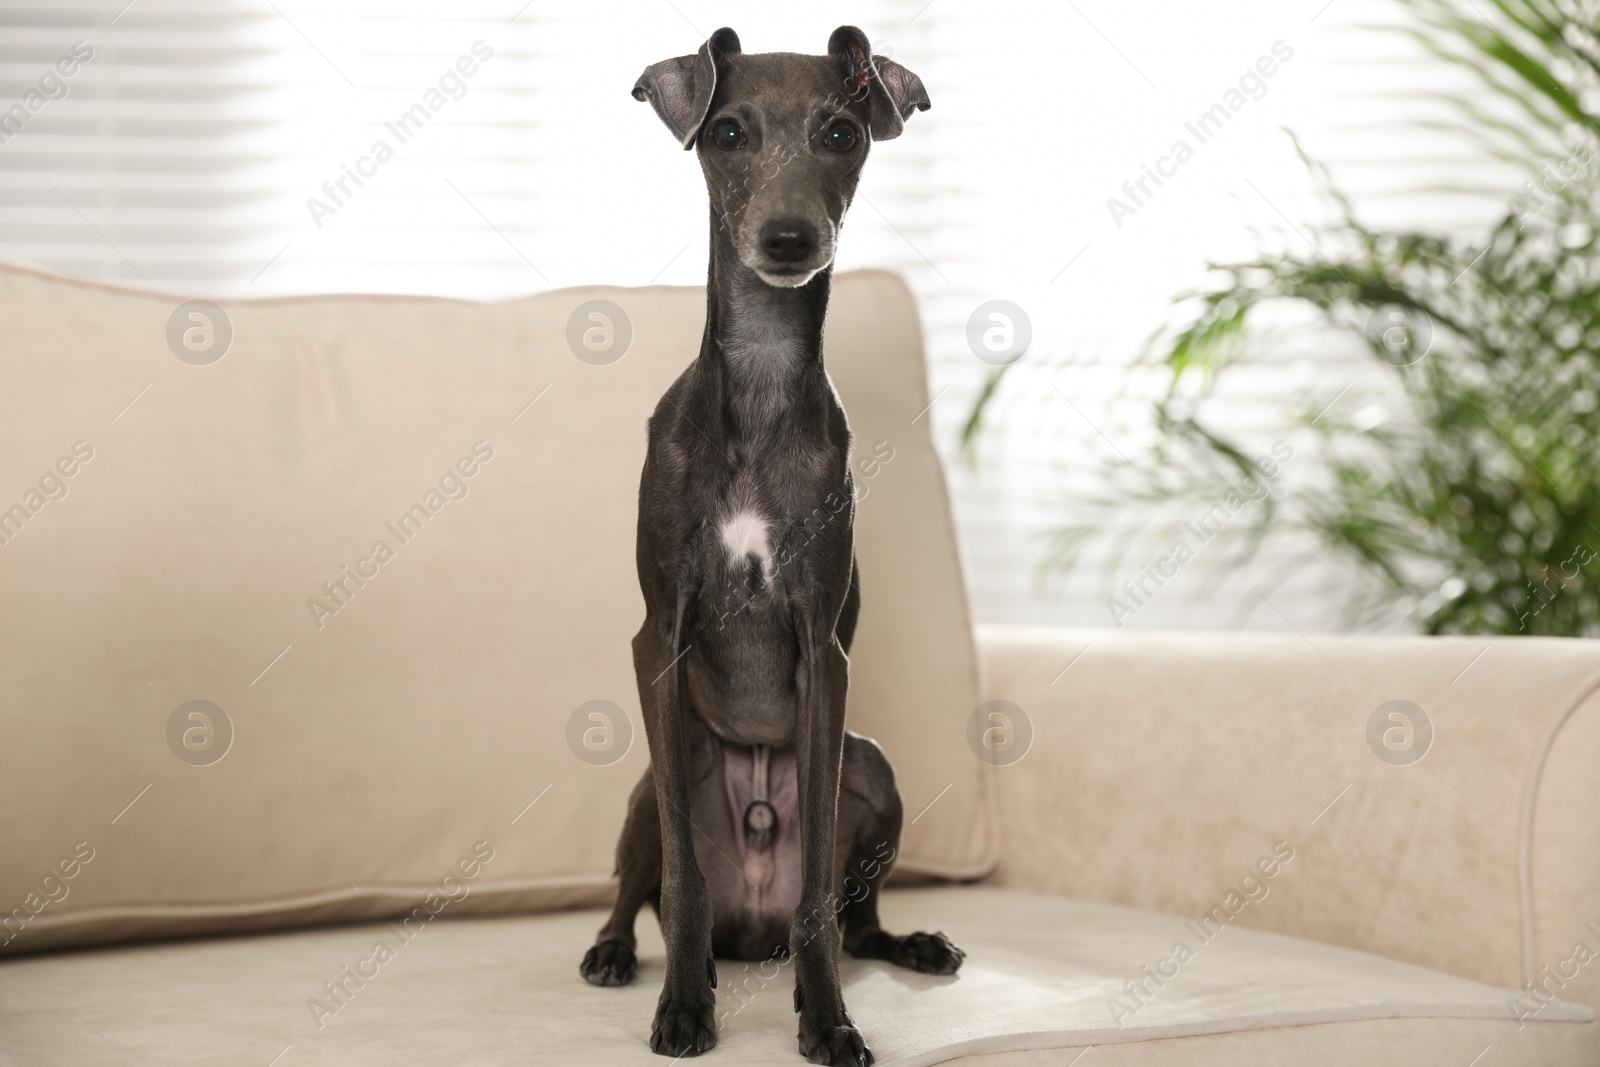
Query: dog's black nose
(788, 240)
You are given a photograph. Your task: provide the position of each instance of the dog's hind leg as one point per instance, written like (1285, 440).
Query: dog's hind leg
(611, 962)
(870, 817)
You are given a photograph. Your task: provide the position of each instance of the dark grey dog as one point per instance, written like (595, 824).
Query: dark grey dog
(762, 826)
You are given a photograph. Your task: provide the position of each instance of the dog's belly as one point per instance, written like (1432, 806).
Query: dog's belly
(741, 661)
(743, 712)
(748, 847)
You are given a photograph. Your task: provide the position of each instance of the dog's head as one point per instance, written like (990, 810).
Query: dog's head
(781, 138)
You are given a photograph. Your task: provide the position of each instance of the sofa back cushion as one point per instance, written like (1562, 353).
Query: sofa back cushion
(316, 630)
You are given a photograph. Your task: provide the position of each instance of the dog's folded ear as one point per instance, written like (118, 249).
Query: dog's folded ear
(893, 92)
(681, 89)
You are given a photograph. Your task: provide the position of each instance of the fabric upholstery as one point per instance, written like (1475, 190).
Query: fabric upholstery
(410, 756)
(1164, 766)
(375, 745)
(1035, 988)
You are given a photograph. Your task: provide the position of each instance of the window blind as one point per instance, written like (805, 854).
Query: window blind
(484, 149)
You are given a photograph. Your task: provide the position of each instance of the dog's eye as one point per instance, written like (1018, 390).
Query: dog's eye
(841, 137)
(727, 135)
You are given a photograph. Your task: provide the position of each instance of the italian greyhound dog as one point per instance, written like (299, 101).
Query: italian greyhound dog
(762, 827)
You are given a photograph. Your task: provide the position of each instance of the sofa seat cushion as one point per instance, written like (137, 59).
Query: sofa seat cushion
(1038, 986)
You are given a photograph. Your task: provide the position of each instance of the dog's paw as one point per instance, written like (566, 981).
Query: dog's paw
(838, 1043)
(684, 1029)
(609, 963)
(929, 953)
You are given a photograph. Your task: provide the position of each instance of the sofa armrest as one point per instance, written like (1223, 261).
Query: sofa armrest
(1246, 778)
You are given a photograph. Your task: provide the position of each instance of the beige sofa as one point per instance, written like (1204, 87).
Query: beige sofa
(399, 798)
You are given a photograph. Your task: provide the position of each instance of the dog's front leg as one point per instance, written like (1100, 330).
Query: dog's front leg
(685, 1021)
(827, 1034)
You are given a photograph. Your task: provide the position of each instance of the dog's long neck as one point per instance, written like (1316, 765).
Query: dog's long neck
(762, 351)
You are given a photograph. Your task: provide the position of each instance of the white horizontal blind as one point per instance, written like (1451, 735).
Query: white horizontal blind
(208, 146)
(187, 150)
(131, 169)
(1088, 97)
(228, 145)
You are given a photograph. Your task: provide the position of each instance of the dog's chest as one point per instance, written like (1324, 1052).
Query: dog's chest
(750, 559)
(746, 537)
(762, 547)
(763, 528)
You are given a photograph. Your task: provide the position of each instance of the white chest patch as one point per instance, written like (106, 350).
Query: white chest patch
(744, 534)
